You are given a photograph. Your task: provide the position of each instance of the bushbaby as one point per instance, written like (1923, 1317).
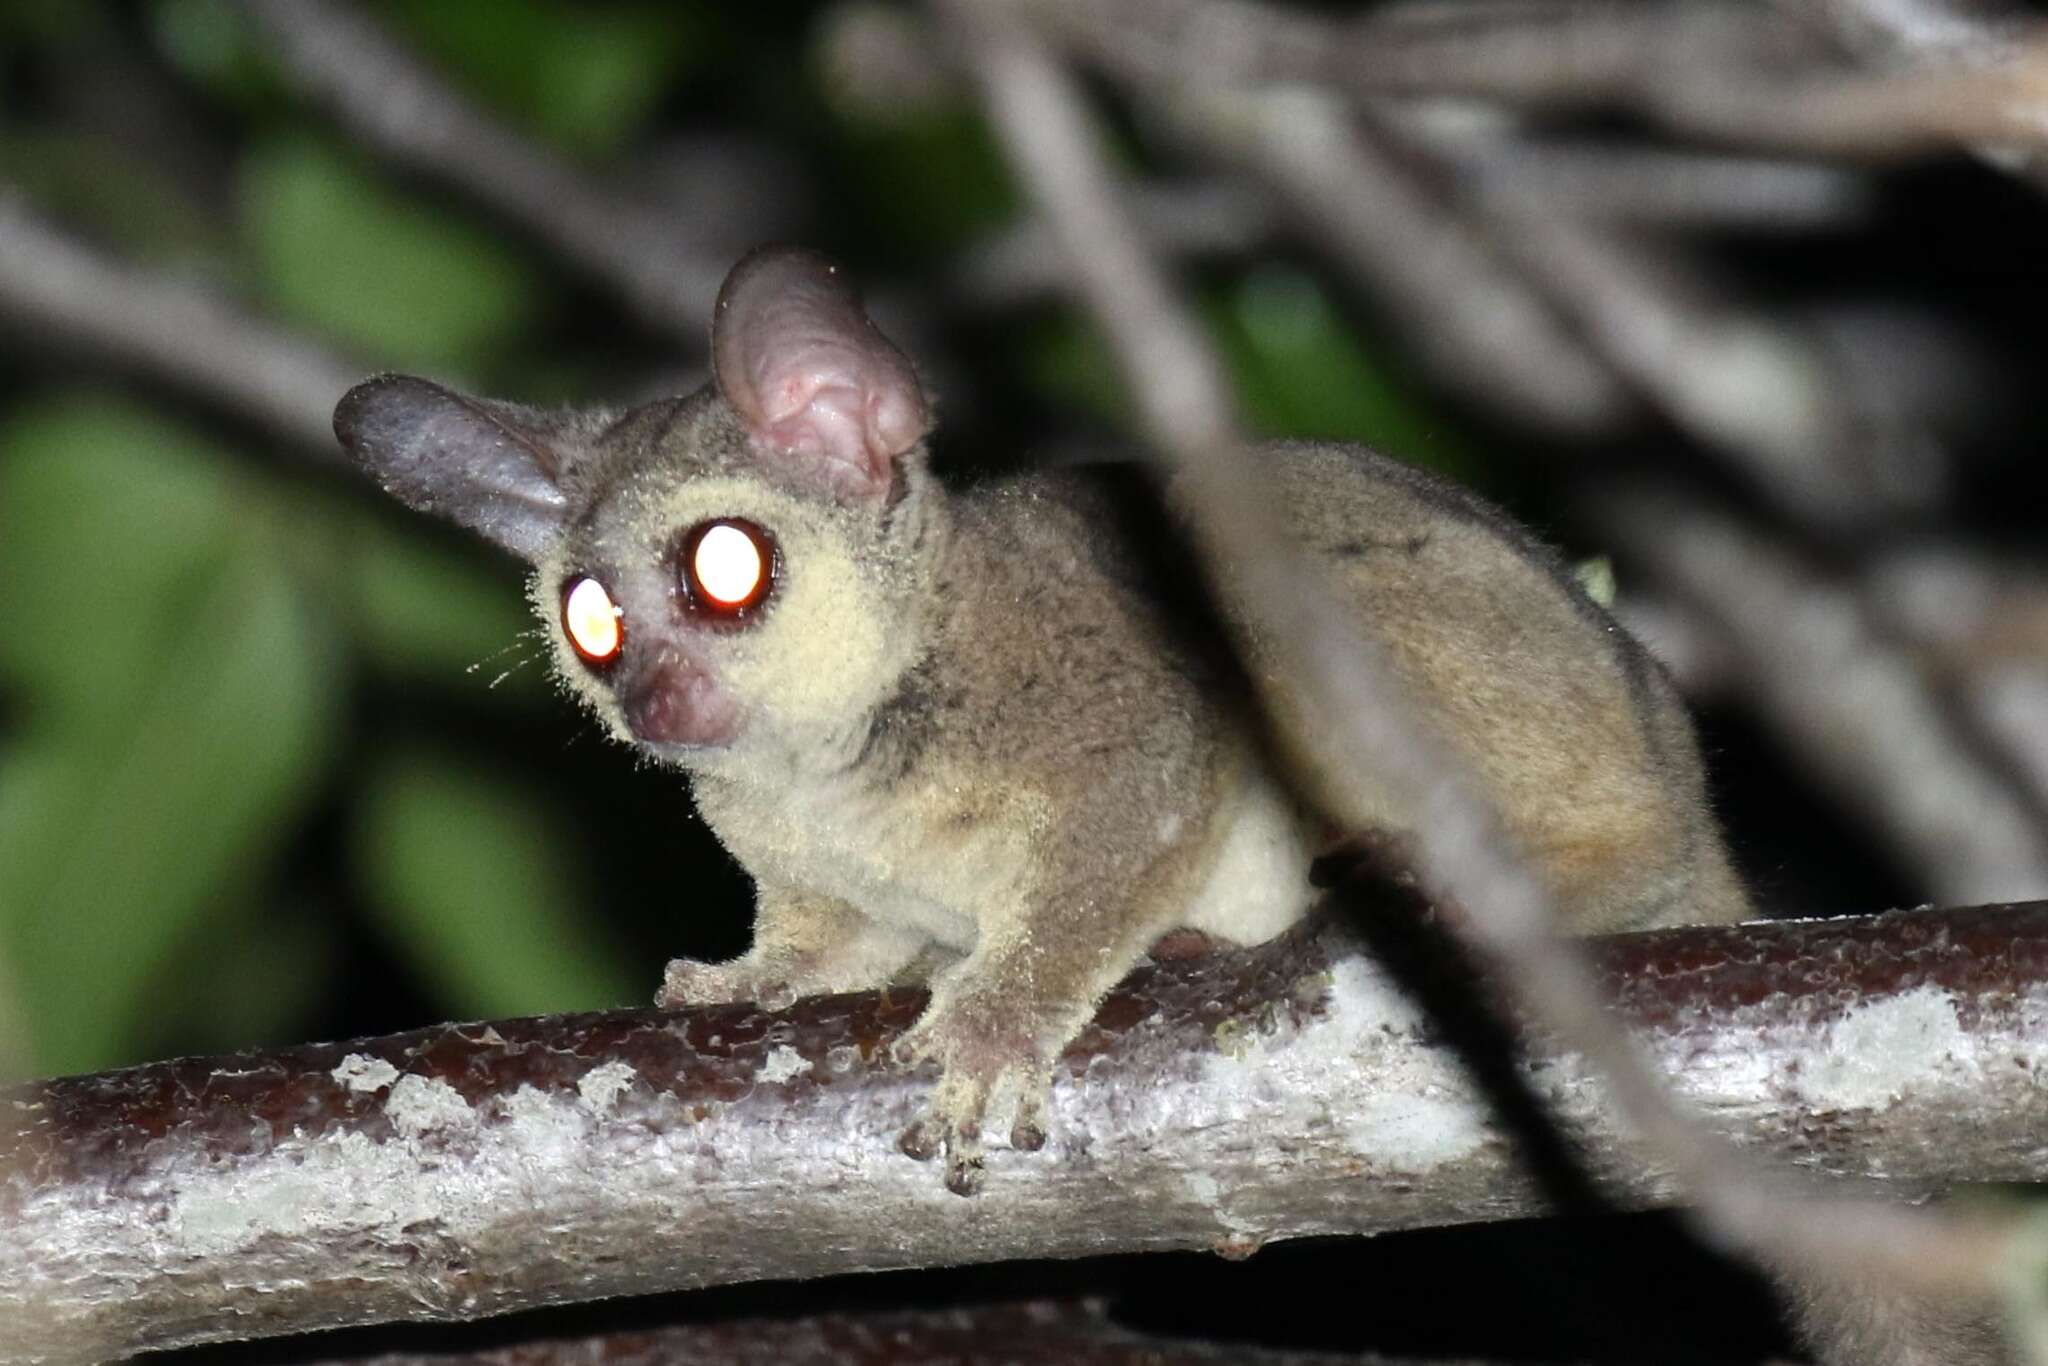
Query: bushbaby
(959, 735)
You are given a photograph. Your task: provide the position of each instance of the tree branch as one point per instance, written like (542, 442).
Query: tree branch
(1277, 1092)
(1658, 187)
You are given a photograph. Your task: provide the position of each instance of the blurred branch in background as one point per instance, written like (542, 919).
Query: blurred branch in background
(1981, 629)
(59, 290)
(1477, 324)
(654, 257)
(1725, 72)
(1857, 703)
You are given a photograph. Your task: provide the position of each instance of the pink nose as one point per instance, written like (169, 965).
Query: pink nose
(671, 704)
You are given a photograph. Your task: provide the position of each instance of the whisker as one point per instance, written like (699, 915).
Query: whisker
(517, 665)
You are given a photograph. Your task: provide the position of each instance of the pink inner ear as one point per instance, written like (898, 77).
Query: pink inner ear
(810, 375)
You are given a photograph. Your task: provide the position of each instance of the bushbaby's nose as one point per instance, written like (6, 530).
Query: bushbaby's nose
(673, 704)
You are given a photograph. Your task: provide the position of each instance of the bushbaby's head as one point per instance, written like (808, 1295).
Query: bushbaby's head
(738, 571)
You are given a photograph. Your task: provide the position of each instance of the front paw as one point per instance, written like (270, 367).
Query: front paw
(687, 982)
(992, 1073)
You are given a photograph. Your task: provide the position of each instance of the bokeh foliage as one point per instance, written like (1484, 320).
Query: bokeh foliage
(255, 775)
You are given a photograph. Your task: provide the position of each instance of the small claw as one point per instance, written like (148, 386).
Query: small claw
(964, 1176)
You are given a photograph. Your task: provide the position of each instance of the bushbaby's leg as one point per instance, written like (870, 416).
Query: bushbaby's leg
(999, 1017)
(804, 945)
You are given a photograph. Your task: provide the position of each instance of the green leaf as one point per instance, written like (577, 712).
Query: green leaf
(111, 521)
(585, 76)
(468, 879)
(1066, 357)
(338, 250)
(176, 693)
(1596, 576)
(142, 209)
(211, 44)
(1302, 372)
(928, 182)
(277, 957)
(113, 842)
(424, 609)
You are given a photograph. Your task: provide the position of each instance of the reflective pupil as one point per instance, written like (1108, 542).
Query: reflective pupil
(727, 565)
(592, 620)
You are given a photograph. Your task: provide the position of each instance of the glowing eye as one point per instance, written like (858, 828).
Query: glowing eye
(728, 566)
(591, 621)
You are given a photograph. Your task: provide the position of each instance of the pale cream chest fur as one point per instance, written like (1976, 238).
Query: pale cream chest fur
(930, 855)
(936, 856)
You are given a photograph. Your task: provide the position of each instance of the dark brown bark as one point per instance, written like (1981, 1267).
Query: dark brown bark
(1219, 1103)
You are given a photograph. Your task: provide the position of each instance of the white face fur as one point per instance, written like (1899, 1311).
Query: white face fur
(830, 636)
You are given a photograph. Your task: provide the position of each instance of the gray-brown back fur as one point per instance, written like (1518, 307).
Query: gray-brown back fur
(1574, 731)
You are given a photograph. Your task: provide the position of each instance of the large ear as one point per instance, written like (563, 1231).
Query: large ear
(819, 387)
(494, 467)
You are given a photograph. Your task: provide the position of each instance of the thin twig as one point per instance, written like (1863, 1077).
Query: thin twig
(1554, 317)
(1917, 34)
(1186, 221)
(1654, 187)
(1772, 396)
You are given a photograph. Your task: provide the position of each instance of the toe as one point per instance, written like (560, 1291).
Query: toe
(922, 1140)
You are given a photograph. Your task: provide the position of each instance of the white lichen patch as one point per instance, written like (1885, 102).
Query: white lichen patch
(539, 1126)
(1878, 1051)
(1369, 1003)
(1411, 1132)
(782, 1064)
(1420, 1112)
(420, 1105)
(603, 1084)
(445, 1166)
(361, 1072)
(308, 1187)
